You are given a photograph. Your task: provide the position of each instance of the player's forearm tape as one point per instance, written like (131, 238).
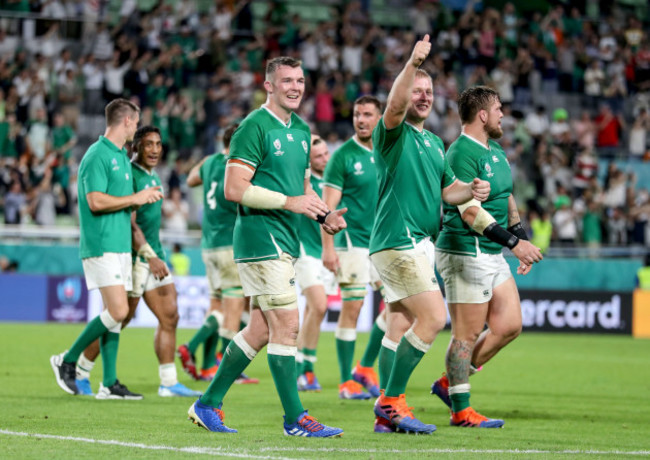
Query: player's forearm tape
(263, 198)
(321, 219)
(482, 221)
(473, 202)
(146, 252)
(498, 234)
(518, 231)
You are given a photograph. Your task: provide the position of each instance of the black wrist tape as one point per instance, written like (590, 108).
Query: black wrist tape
(321, 219)
(518, 230)
(495, 232)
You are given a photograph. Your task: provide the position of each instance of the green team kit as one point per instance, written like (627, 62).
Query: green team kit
(412, 170)
(148, 216)
(469, 159)
(351, 170)
(309, 233)
(107, 169)
(279, 153)
(219, 214)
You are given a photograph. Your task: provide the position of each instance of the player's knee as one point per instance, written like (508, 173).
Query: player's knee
(352, 292)
(170, 319)
(285, 301)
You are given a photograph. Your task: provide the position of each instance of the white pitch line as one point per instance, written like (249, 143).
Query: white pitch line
(216, 451)
(241, 453)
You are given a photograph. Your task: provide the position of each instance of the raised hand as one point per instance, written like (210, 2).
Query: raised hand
(420, 51)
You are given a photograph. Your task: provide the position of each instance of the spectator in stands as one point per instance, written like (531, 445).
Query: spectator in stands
(638, 136)
(537, 123)
(38, 135)
(594, 79)
(584, 131)
(592, 234)
(617, 227)
(564, 220)
(15, 204)
(609, 127)
(175, 211)
(542, 229)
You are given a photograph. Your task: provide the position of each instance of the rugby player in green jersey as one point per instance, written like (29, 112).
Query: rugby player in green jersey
(351, 179)
(479, 286)
(151, 277)
(227, 301)
(267, 174)
(315, 281)
(105, 193)
(414, 177)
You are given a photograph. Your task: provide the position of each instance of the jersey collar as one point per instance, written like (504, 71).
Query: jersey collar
(413, 126)
(358, 142)
(134, 163)
(112, 146)
(286, 125)
(475, 140)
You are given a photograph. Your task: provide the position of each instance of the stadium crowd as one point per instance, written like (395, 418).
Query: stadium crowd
(575, 84)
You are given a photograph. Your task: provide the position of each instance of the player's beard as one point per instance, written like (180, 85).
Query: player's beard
(494, 132)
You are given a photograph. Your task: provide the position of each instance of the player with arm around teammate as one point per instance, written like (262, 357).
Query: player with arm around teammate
(267, 174)
(479, 286)
(414, 177)
(106, 197)
(151, 277)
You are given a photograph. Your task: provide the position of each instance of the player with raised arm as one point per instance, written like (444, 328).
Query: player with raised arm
(267, 174)
(414, 177)
(151, 277)
(479, 286)
(105, 191)
(350, 178)
(227, 301)
(313, 278)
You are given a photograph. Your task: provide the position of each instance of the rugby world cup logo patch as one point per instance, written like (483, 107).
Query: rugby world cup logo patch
(278, 145)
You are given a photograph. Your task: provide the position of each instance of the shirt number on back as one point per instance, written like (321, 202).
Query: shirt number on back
(210, 197)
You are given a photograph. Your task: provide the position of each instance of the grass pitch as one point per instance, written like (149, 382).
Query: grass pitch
(572, 396)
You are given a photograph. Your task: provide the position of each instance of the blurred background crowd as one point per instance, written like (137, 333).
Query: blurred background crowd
(574, 78)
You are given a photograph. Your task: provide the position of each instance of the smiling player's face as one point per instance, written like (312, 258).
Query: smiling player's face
(286, 88)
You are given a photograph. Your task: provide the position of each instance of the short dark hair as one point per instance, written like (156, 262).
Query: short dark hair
(118, 109)
(273, 64)
(139, 135)
(228, 133)
(369, 99)
(473, 100)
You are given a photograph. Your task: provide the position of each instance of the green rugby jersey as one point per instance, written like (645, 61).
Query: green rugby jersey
(148, 216)
(279, 153)
(469, 159)
(412, 170)
(219, 214)
(309, 231)
(351, 170)
(107, 169)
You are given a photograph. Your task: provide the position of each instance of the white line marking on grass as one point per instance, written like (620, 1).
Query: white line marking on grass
(218, 451)
(242, 453)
